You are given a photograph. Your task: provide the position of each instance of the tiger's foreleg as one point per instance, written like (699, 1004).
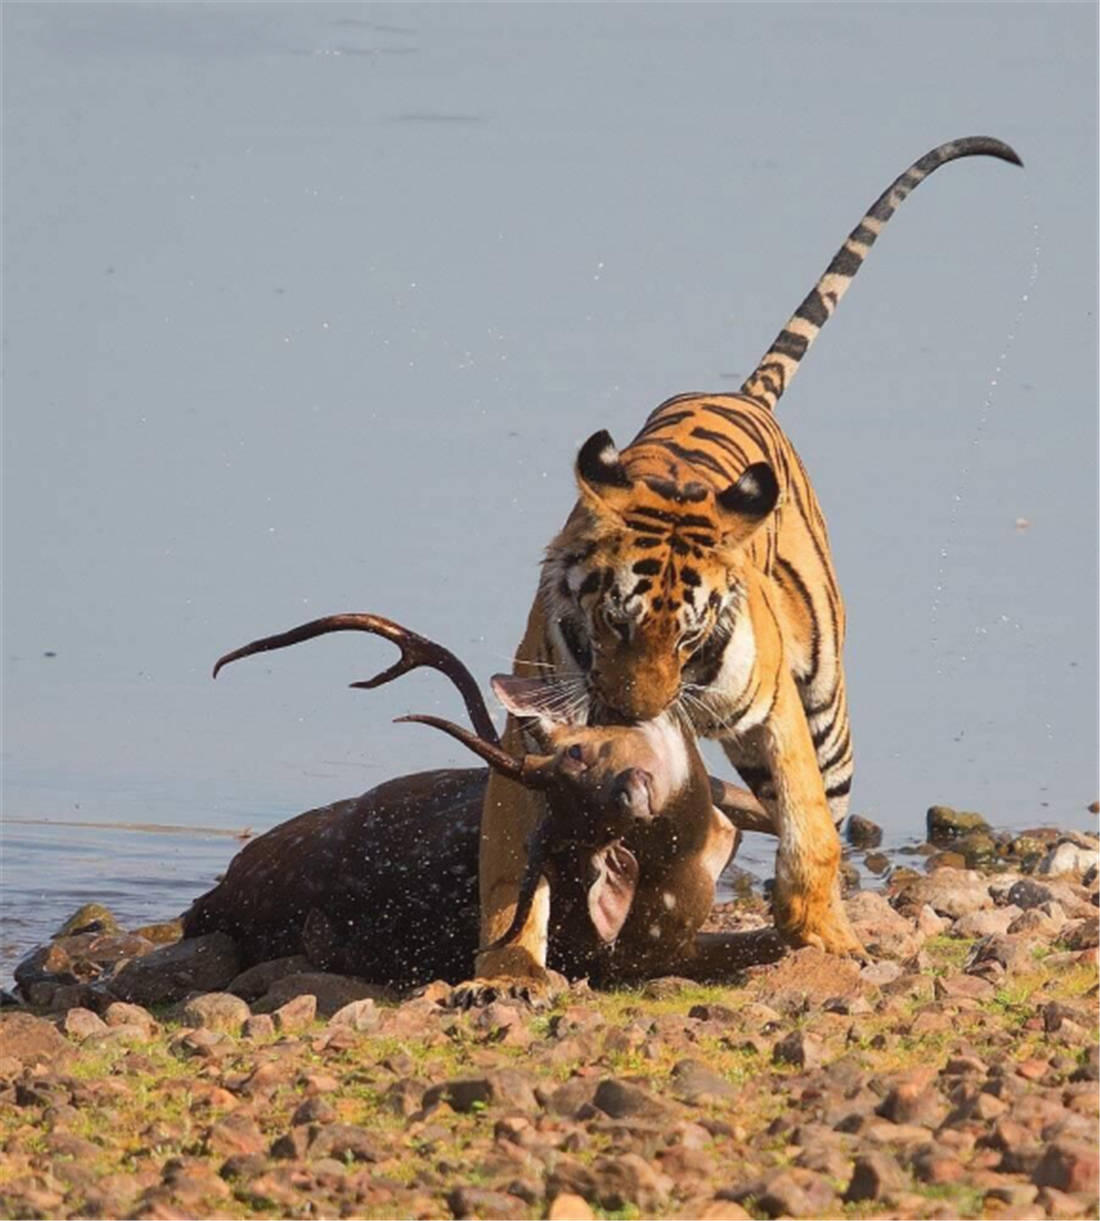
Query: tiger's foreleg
(806, 899)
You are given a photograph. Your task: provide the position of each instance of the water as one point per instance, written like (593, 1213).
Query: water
(308, 308)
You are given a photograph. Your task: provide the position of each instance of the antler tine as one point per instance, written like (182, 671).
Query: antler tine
(416, 651)
(492, 752)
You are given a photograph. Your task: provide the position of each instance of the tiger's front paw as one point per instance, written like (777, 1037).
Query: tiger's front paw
(536, 992)
(801, 921)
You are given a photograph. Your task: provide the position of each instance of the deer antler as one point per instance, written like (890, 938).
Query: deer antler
(416, 651)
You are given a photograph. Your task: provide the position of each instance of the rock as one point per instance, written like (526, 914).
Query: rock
(877, 862)
(252, 983)
(1068, 857)
(258, 1026)
(929, 923)
(91, 918)
(296, 1014)
(480, 1202)
(912, 1099)
(79, 1024)
(804, 978)
(567, 1207)
(199, 964)
(694, 1083)
(333, 992)
(623, 1100)
(1068, 1165)
(120, 1013)
(346, 1142)
(801, 1049)
(1014, 953)
(504, 1087)
(874, 1176)
(32, 1040)
(797, 1193)
(963, 987)
(356, 1015)
(977, 849)
(862, 832)
(161, 933)
(630, 1180)
(950, 892)
(880, 928)
(986, 923)
(571, 1096)
(217, 1011)
(313, 1110)
(235, 1134)
(946, 824)
(1027, 893)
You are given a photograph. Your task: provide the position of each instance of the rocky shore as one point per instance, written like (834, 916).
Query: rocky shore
(955, 1075)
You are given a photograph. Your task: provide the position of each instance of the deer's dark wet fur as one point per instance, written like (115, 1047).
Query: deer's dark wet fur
(626, 861)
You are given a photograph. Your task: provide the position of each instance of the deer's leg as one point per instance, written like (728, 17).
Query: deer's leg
(807, 905)
(717, 956)
(508, 818)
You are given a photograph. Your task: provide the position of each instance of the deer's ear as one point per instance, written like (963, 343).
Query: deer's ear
(601, 477)
(746, 504)
(540, 698)
(614, 878)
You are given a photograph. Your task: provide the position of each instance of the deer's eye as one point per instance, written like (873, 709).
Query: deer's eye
(575, 752)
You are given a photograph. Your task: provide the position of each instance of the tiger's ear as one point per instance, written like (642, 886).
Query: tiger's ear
(602, 478)
(746, 504)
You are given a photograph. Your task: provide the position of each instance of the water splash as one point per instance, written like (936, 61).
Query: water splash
(974, 444)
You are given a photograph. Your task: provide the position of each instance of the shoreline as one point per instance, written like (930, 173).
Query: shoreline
(954, 1075)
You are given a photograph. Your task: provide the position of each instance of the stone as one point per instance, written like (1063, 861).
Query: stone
(883, 932)
(1068, 1165)
(164, 932)
(567, 1207)
(949, 892)
(356, 1015)
(252, 983)
(314, 1110)
(120, 1013)
(694, 1083)
(986, 923)
(797, 1192)
(296, 1014)
(862, 832)
(235, 1134)
(91, 918)
(803, 1050)
(946, 824)
(1068, 857)
(79, 1024)
(623, 1100)
(912, 1099)
(333, 992)
(874, 1175)
(346, 1142)
(258, 1026)
(571, 1096)
(217, 1011)
(963, 987)
(31, 1040)
(629, 1179)
(481, 1202)
(198, 964)
(505, 1087)
(1028, 893)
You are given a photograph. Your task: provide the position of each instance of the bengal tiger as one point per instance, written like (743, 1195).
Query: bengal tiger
(693, 576)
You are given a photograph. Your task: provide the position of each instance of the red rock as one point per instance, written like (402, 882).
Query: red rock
(567, 1207)
(874, 1176)
(31, 1040)
(796, 1193)
(296, 1014)
(1069, 1166)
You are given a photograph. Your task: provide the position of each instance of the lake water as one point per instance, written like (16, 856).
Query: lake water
(308, 307)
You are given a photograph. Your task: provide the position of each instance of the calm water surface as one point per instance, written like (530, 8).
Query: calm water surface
(308, 308)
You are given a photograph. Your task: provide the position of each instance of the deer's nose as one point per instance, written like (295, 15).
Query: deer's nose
(632, 792)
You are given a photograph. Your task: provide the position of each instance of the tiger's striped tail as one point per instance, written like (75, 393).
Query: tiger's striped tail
(780, 363)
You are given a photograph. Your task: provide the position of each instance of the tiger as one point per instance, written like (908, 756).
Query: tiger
(693, 577)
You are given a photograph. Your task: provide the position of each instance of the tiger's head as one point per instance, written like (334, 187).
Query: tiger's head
(643, 583)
